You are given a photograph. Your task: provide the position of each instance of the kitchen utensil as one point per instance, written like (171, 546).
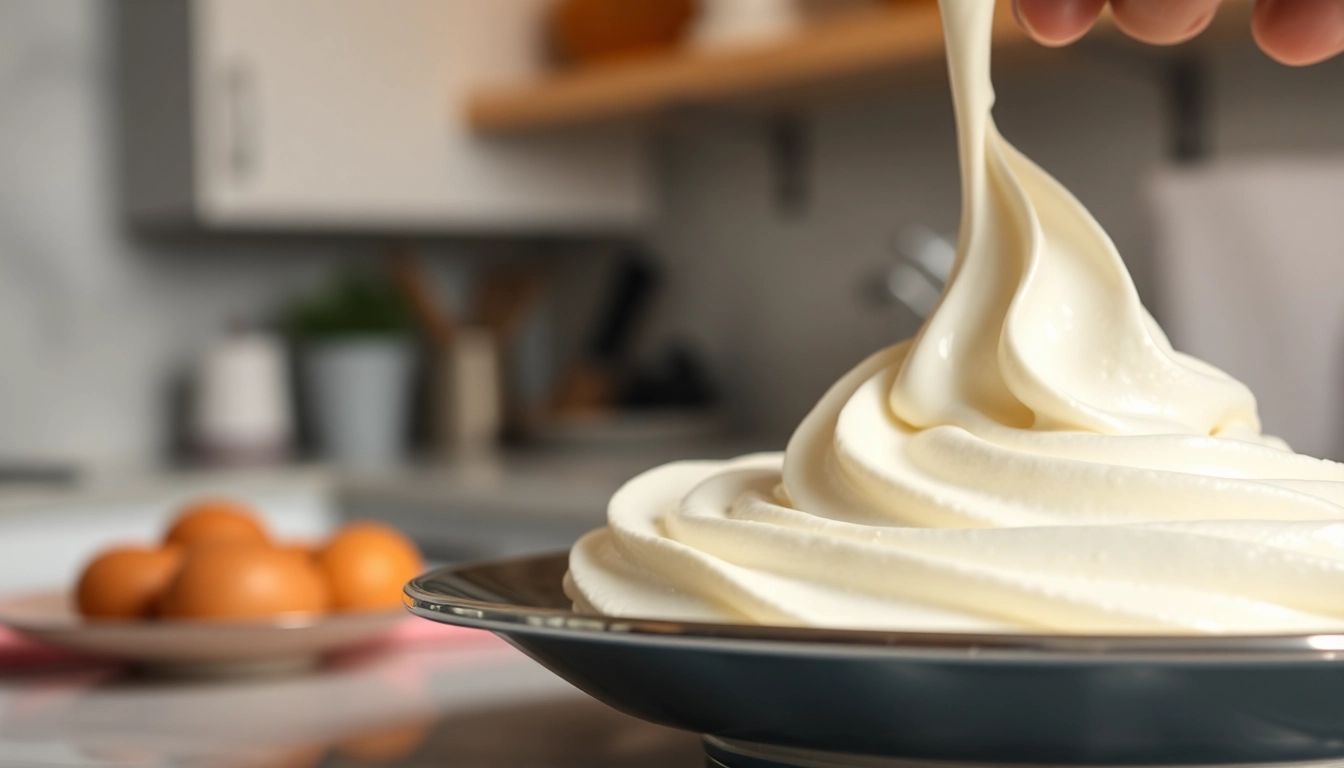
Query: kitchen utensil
(504, 301)
(592, 384)
(917, 280)
(434, 318)
(676, 381)
(469, 389)
(465, 401)
(631, 429)
(194, 648)
(803, 696)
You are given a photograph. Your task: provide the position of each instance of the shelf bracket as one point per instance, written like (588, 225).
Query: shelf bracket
(1186, 82)
(1183, 80)
(790, 147)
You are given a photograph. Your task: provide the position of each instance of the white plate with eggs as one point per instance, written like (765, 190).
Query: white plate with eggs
(219, 596)
(197, 648)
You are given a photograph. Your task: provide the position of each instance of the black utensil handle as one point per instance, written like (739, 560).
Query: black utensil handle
(636, 280)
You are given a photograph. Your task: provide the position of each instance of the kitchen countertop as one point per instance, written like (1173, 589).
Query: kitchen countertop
(513, 503)
(477, 704)
(137, 487)
(536, 484)
(541, 484)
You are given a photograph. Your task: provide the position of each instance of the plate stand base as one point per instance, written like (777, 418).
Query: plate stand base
(727, 753)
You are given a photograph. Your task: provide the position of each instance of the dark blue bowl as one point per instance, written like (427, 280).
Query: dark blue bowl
(1061, 699)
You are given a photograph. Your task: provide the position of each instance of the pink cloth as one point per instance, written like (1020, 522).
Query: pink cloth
(415, 631)
(17, 651)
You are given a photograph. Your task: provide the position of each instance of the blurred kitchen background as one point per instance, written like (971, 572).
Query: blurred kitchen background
(465, 266)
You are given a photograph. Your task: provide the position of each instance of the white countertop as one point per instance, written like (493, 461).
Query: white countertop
(480, 705)
(538, 485)
(511, 504)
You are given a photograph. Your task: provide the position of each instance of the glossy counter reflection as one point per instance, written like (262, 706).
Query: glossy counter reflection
(479, 705)
(475, 706)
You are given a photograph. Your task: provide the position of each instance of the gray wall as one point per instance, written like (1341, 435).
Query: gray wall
(94, 320)
(98, 321)
(775, 300)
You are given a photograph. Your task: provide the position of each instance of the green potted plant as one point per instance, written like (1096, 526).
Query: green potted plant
(357, 355)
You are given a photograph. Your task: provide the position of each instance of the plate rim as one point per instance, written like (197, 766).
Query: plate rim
(77, 623)
(516, 619)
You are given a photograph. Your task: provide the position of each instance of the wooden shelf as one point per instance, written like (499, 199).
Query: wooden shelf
(833, 53)
(886, 43)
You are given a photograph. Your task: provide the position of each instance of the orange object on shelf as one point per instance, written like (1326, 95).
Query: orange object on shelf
(851, 48)
(591, 31)
(867, 50)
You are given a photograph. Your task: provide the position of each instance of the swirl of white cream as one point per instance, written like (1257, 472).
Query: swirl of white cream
(1037, 458)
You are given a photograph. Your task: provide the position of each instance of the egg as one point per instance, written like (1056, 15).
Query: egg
(304, 549)
(367, 564)
(244, 581)
(213, 521)
(126, 582)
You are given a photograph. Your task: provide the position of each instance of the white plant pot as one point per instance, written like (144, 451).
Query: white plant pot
(358, 396)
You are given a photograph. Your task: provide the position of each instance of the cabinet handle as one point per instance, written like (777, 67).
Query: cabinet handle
(242, 122)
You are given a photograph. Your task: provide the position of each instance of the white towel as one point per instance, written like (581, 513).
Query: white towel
(1250, 260)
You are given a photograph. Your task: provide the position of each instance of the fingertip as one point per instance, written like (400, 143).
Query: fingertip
(1057, 22)
(1162, 22)
(1301, 32)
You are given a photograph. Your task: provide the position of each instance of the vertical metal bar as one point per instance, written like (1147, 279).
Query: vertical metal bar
(790, 157)
(1186, 83)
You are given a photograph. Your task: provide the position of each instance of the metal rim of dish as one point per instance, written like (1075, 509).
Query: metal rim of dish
(446, 595)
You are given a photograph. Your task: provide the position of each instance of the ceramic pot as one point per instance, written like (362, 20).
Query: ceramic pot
(358, 396)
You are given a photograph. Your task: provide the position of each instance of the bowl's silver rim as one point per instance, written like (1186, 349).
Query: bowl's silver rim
(510, 619)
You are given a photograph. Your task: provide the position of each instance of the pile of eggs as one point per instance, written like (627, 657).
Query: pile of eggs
(218, 562)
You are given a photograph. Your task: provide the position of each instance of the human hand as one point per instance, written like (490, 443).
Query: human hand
(1296, 32)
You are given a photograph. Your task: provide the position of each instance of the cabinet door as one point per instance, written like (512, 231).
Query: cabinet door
(347, 113)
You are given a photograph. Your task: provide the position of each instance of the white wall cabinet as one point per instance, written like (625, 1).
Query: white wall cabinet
(345, 115)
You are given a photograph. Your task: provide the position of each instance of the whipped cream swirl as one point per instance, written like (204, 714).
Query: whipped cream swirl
(1037, 458)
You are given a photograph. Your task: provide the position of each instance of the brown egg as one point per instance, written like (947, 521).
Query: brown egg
(214, 521)
(126, 582)
(304, 549)
(243, 581)
(367, 564)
